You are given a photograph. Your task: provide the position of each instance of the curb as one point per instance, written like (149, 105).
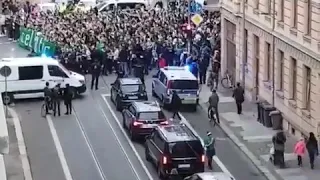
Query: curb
(266, 172)
(3, 172)
(22, 147)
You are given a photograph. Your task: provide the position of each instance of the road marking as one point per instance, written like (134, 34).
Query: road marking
(21, 145)
(93, 154)
(215, 158)
(126, 136)
(57, 143)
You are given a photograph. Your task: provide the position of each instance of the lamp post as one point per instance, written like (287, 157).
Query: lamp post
(189, 27)
(244, 41)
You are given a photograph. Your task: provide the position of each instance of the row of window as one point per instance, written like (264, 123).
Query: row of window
(279, 75)
(280, 8)
(36, 72)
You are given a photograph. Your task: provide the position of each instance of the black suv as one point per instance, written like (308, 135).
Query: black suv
(174, 148)
(126, 90)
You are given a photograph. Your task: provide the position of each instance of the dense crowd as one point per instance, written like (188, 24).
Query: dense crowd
(124, 37)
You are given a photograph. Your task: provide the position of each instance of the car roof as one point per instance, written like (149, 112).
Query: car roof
(130, 81)
(215, 176)
(176, 133)
(178, 73)
(28, 61)
(147, 106)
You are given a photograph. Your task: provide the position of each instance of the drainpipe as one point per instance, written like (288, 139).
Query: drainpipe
(243, 44)
(273, 50)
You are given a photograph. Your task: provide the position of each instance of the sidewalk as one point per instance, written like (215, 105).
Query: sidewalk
(255, 140)
(16, 161)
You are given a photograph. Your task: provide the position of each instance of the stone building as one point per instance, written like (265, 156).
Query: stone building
(273, 46)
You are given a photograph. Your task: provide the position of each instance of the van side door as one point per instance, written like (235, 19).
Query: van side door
(57, 76)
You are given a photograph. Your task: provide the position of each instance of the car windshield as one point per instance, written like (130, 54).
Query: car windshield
(64, 68)
(185, 149)
(156, 115)
(185, 84)
(129, 5)
(132, 88)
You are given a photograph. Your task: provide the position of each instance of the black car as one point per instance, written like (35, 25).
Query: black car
(175, 149)
(127, 90)
(140, 118)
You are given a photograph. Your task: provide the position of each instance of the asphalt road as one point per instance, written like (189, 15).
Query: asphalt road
(95, 146)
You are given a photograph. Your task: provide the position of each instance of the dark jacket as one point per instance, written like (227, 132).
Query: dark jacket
(176, 101)
(312, 146)
(279, 140)
(67, 95)
(96, 68)
(238, 94)
(56, 94)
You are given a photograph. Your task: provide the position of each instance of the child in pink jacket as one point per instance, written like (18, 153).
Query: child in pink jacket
(299, 150)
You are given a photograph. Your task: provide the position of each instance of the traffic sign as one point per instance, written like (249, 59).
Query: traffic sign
(5, 71)
(196, 19)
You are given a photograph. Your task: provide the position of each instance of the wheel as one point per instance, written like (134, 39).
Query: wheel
(118, 106)
(147, 154)
(225, 83)
(7, 98)
(153, 93)
(43, 110)
(194, 108)
(123, 123)
(132, 136)
(111, 99)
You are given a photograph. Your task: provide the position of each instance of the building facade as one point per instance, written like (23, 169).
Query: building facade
(273, 46)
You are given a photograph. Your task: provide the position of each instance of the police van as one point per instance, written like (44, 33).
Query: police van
(179, 79)
(22, 78)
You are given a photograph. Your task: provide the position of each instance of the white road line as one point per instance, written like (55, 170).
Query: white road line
(119, 142)
(21, 145)
(126, 136)
(215, 158)
(92, 153)
(57, 143)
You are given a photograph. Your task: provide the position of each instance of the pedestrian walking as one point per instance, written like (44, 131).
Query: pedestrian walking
(56, 99)
(209, 143)
(175, 104)
(312, 147)
(67, 97)
(213, 105)
(95, 73)
(238, 94)
(299, 150)
(279, 140)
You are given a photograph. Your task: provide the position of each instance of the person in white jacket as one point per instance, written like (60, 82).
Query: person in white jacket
(2, 24)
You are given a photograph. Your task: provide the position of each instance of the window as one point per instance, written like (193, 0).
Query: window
(185, 149)
(293, 79)
(56, 71)
(281, 10)
(267, 61)
(158, 141)
(30, 72)
(268, 7)
(132, 88)
(307, 90)
(308, 16)
(132, 110)
(246, 46)
(256, 4)
(162, 77)
(151, 116)
(280, 70)
(294, 13)
(184, 84)
(257, 59)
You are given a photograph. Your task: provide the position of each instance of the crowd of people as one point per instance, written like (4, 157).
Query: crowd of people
(127, 39)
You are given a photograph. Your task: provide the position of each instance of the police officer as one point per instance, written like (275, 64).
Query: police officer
(47, 97)
(67, 97)
(95, 72)
(213, 104)
(56, 97)
(209, 143)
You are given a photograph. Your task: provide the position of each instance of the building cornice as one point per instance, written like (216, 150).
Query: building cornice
(315, 3)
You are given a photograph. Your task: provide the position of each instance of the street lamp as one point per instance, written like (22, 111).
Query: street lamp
(189, 26)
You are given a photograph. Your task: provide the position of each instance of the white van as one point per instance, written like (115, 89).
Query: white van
(26, 77)
(123, 4)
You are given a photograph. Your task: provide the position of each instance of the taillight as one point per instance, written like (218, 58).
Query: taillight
(164, 123)
(203, 158)
(164, 160)
(135, 123)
